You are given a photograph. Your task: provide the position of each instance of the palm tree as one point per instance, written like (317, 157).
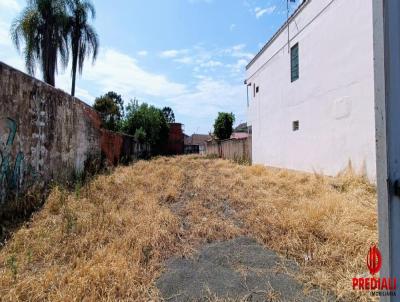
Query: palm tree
(43, 26)
(84, 40)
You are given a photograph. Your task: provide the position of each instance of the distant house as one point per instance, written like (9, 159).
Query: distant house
(242, 128)
(241, 131)
(311, 90)
(239, 135)
(196, 143)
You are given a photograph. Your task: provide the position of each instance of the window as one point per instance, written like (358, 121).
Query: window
(294, 62)
(257, 89)
(295, 125)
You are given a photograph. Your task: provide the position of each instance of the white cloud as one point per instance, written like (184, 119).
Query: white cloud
(184, 60)
(202, 104)
(85, 95)
(10, 5)
(5, 38)
(208, 98)
(259, 12)
(211, 64)
(173, 53)
(238, 67)
(202, 57)
(120, 72)
(238, 51)
(201, 1)
(142, 53)
(232, 27)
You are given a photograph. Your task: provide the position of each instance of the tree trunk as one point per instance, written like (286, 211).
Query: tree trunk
(49, 59)
(74, 66)
(74, 63)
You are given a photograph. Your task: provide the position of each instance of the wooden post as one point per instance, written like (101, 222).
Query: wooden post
(386, 21)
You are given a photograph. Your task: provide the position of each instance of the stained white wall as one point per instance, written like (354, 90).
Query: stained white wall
(333, 99)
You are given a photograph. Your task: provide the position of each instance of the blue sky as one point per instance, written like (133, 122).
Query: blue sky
(186, 54)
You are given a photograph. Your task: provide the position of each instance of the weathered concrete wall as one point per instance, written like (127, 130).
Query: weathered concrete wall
(46, 135)
(234, 149)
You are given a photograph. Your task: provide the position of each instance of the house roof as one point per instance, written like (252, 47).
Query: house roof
(197, 139)
(241, 128)
(239, 135)
(278, 32)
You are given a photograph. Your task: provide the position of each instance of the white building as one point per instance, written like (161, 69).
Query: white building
(311, 101)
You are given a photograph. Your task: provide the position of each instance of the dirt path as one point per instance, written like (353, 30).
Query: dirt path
(228, 265)
(235, 270)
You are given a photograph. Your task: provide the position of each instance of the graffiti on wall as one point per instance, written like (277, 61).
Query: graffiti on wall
(38, 151)
(12, 169)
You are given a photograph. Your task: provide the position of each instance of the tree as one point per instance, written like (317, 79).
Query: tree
(84, 40)
(168, 114)
(140, 135)
(110, 106)
(43, 26)
(148, 124)
(223, 125)
(117, 99)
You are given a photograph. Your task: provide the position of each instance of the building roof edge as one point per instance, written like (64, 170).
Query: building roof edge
(278, 32)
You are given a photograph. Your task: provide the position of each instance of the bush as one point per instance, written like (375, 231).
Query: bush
(111, 109)
(223, 126)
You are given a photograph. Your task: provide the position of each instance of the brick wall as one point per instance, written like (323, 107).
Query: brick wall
(175, 142)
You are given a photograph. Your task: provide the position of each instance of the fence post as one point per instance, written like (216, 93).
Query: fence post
(386, 22)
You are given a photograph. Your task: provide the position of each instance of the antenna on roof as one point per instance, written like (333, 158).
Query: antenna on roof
(287, 22)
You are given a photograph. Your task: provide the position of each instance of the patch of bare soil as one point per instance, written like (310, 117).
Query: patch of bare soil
(239, 269)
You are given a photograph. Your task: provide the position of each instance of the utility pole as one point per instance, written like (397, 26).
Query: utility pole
(386, 22)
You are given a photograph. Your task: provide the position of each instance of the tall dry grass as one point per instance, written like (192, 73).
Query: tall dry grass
(105, 243)
(108, 240)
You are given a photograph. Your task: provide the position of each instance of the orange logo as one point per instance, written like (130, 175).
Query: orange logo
(374, 260)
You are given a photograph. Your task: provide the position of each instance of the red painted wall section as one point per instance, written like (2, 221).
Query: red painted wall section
(175, 144)
(111, 143)
(111, 146)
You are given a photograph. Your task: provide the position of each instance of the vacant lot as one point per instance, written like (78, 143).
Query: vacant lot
(109, 239)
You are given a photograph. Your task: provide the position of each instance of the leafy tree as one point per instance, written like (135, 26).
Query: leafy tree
(148, 124)
(140, 135)
(223, 125)
(117, 99)
(43, 27)
(84, 40)
(168, 114)
(132, 106)
(110, 106)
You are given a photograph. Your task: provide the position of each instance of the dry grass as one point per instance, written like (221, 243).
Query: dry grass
(109, 241)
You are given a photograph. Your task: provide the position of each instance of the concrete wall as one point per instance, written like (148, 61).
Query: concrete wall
(234, 149)
(333, 99)
(47, 135)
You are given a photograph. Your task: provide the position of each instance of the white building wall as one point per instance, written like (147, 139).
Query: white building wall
(333, 99)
